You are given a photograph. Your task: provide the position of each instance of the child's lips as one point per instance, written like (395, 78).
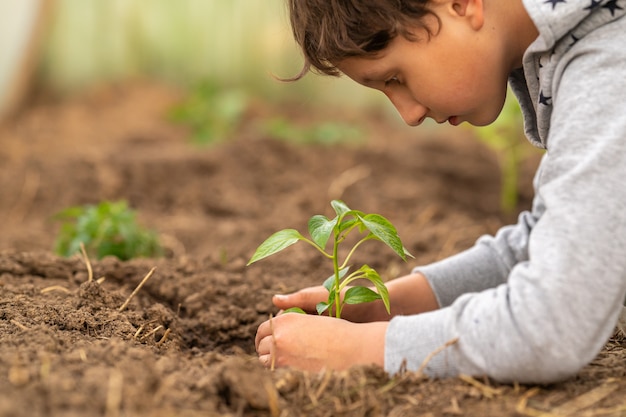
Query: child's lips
(454, 120)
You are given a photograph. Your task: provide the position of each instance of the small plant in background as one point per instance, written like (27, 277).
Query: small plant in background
(329, 133)
(213, 113)
(109, 228)
(505, 137)
(321, 229)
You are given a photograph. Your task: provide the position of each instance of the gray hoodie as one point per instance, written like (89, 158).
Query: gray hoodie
(537, 301)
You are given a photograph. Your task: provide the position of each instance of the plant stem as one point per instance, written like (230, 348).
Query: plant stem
(336, 268)
(345, 263)
(310, 242)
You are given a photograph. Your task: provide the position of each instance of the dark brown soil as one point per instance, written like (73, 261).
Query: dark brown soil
(184, 345)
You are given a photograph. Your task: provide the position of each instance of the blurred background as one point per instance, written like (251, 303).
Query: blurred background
(221, 53)
(62, 46)
(84, 82)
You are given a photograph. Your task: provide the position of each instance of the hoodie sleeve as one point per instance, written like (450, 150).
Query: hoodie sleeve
(540, 299)
(486, 265)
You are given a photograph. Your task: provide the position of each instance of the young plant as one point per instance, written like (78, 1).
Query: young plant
(321, 229)
(212, 112)
(109, 228)
(505, 136)
(328, 133)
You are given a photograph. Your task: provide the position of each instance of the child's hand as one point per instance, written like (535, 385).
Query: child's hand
(410, 294)
(308, 298)
(312, 342)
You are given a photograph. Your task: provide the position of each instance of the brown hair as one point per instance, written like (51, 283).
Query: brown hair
(329, 31)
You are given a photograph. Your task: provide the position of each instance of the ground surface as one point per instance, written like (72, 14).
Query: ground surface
(184, 345)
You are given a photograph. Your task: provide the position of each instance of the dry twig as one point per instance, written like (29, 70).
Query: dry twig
(151, 332)
(320, 389)
(143, 281)
(272, 354)
(139, 330)
(435, 352)
(486, 390)
(272, 397)
(589, 398)
(574, 406)
(114, 395)
(20, 325)
(55, 288)
(87, 263)
(522, 405)
(167, 332)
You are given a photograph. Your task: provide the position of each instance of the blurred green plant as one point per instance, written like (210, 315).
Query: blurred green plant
(211, 112)
(505, 136)
(327, 133)
(106, 229)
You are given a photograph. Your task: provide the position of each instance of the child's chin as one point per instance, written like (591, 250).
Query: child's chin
(484, 120)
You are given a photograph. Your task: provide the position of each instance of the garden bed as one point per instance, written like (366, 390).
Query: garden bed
(184, 345)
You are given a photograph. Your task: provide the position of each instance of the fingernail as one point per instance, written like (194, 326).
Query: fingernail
(280, 296)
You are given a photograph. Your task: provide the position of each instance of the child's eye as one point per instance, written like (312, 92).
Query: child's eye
(391, 80)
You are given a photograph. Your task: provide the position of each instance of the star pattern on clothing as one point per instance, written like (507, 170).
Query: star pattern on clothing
(594, 5)
(555, 2)
(612, 6)
(545, 100)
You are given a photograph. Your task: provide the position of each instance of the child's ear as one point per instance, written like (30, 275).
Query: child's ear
(471, 9)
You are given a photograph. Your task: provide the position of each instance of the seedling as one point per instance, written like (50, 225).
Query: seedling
(213, 113)
(321, 230)
(505, 137)
(109, 228)
(329, 133)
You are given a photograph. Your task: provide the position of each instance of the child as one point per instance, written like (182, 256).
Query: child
(537, 301)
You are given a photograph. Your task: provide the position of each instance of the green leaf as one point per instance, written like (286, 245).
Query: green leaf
(330, 281)
(328, 284)
(385, 231)
(340, 207)
(109, 228)
(320, 229)
(358, 295)
(346, 224)
(321, 307)
(371, 275)
(70, 213)
(295, 310)
(275, 243)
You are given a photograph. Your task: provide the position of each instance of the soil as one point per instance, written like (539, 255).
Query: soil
(184, 345)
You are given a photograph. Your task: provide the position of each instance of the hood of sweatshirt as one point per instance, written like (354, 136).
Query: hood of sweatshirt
(561, 25)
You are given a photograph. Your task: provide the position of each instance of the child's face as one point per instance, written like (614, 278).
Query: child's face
(458, 75)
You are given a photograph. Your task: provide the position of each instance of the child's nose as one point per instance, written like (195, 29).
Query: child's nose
(410, 110)
(413, 118)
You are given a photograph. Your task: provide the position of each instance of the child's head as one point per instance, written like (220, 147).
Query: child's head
(329, 31)
(447, 60)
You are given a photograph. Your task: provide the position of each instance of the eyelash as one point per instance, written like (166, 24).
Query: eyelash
(393, 79)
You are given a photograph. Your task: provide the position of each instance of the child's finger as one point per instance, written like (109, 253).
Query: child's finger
(265, 360)
(306, 299)
(262, 332)
(284, 301)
